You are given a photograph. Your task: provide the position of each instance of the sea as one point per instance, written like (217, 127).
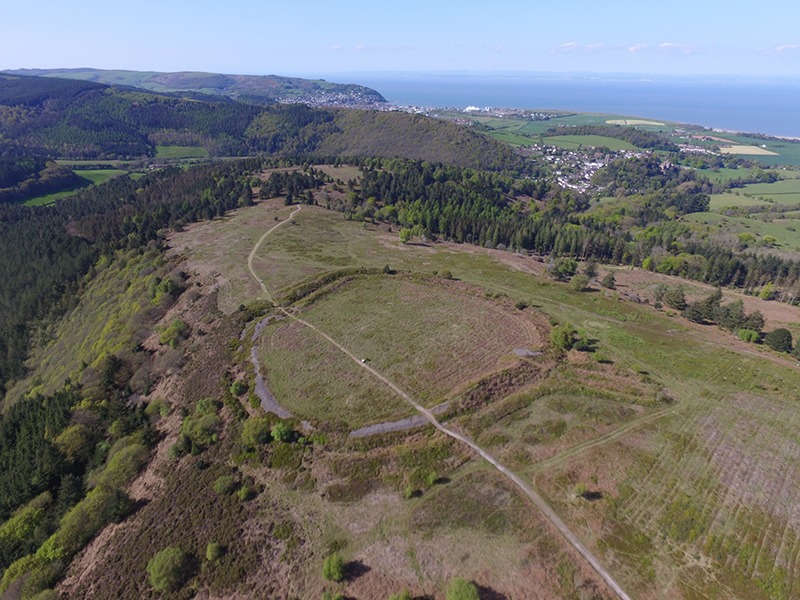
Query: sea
(769, 106)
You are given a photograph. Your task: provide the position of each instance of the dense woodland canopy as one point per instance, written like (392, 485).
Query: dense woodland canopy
(70, 119)
(48, 249)
(638, 137)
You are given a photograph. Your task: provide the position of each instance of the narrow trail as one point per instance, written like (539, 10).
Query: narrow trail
(538, 501)
(258, 245)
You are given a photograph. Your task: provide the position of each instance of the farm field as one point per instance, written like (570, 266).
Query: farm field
(181, 152)
(784, 152)
(512, 138)
(88, 176)
(723, 175)
(786, 191)
(598, 141)
(535, 127)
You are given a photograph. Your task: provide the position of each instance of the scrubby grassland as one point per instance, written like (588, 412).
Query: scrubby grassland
(784, 230)
(428, 337)
(664, 435)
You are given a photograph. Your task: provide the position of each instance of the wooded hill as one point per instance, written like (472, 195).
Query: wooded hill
(255, 89)
(83, 120)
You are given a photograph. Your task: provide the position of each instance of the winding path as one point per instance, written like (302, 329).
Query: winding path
(526, 489)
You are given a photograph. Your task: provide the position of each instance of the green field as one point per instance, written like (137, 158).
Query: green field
(788, 153)
(181, 152)
(512, 138)
(88, 177)
(79, 163)
(534, 128)
(786, 191)
(573, 142)
(723, 175)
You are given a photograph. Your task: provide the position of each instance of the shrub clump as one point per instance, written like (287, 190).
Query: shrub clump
(333, 568)
(214, 552)
(282, 433)
(238, 388)
(166, 569)
(225, 485)
(748, 335)
(461, 589)
(173, 334)
(579, 283)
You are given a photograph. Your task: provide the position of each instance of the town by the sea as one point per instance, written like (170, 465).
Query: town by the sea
(769, 106)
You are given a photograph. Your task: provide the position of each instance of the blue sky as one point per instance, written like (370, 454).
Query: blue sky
(309, 37)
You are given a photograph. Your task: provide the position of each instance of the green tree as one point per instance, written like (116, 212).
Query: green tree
(768, 293)
(461, 589)
(76, 441)
(562, 337)
(404, 595)
(674, 298)
(282, 433)
(166, 569)
(779, 340)
(333, 568)
(256, 431)
(590, 269)
(405, 235)
(609, 282)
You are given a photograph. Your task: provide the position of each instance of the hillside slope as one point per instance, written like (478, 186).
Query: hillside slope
(83, 120)
(259, 89)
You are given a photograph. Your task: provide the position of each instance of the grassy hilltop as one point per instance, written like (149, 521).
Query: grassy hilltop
(648, 440)
(387, 356)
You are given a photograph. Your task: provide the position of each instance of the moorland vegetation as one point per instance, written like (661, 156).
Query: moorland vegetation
(137, 458)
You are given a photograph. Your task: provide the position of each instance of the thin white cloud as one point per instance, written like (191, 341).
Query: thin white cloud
(638, 47)
(787, 47)
(568, 47)
(334, 48)
(595, 47)
(680, 48)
